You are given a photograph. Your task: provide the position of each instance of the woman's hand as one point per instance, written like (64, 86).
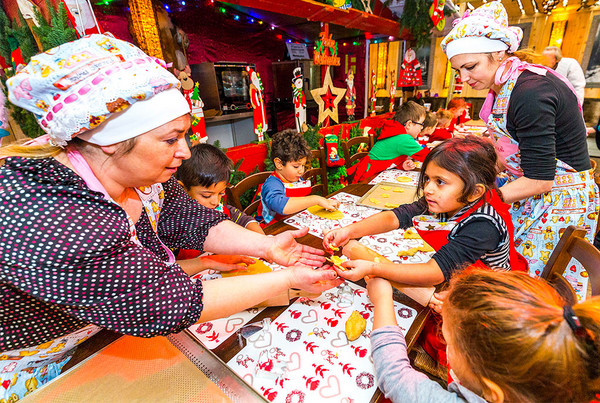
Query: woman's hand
(227, 262)
(355, 269)
(437, 301)
(336, 238)
(284, 250)
(329, 204)
(313, 281)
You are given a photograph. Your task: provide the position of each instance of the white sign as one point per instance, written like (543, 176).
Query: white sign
(297, 51)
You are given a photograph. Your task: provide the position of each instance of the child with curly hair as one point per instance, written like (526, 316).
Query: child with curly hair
(285, 192)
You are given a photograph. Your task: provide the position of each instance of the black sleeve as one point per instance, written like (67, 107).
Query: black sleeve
(543, 117)
(406, 212)
(238, 216)
(471, 242)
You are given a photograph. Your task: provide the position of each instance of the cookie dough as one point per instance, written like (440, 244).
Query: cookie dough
(404, 179)
(399, 190)
(412, 251)
(385, 195)
(391, 205)
(255, 268)
(386, 187)
(374, 200)
(329, 215)
(355, 326)
(411, 234)
(337, 261)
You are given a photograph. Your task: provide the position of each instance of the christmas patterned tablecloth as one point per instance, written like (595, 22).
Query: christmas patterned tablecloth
(396, 175)
(317, 226)
(305, 356)
(212, 334)
(390, 243)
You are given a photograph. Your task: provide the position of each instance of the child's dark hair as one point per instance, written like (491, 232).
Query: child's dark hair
(472, 158)
(409, 111)
(289, 146)
(430, 120)
(206, 166)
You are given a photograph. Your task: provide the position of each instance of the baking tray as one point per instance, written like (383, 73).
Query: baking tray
(408, 195)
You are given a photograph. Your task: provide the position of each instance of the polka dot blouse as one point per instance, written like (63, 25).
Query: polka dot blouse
(66, 258)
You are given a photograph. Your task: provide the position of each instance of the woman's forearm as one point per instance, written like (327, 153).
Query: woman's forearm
(523, 188)
(224, 297)
(228, 238)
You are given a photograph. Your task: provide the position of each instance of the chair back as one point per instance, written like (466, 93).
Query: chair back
(573, 244)
(235, 192)
(319, 173)
(348, 144)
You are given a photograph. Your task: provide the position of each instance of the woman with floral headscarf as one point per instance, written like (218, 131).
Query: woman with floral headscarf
(539, 132)
(89, 213)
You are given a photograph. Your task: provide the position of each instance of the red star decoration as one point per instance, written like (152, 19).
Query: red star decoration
(328, 99)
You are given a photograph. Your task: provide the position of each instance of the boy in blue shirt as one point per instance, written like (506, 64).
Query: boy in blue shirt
(285, 192)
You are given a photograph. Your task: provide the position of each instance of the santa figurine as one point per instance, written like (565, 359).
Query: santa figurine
(299, 100)
(410, 73)
(258, 104)
(350, 95)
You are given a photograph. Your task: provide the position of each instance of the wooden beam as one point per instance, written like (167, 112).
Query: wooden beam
(315, 11)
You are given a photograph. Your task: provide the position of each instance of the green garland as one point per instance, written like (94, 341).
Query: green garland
(56, 31)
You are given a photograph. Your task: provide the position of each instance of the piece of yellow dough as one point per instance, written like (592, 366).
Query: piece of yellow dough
(403, 179)
(355, 326)
(386, 187)
(391, 205)
(411, 252)
(411, 234)
(329, 215)
(255, 268)
(385, 195)
(337, 261)
(374, 200)
(399, 190)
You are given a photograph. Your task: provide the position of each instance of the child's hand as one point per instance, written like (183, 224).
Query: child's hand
(336, 238)
(408, 165)
(355, 269)
(380, 290)
(329, 204)
(437, 301)
(227, 262)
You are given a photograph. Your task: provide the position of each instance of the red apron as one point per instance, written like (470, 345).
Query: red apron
(431, 338)
(300, 188)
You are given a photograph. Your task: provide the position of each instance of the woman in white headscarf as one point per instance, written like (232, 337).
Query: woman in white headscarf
(89, 213)
(538, 128)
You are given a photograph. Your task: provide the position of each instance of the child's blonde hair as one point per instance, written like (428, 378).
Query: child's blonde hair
(431, 120)
(512, 329)
(444, 117)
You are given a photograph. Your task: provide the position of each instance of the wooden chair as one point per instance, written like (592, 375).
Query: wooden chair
(347, 145)
(321, 172)
(235, 192)
(573, 244)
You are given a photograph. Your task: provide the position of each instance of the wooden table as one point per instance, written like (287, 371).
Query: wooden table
(195, 351)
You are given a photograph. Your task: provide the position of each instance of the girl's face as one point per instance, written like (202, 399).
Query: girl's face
(442, 190)
(461, 372)
(292, 171)
(476, 69)
(210, 196)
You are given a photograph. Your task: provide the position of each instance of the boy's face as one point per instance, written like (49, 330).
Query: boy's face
(292, 171)
(414, 128)
(208, 196)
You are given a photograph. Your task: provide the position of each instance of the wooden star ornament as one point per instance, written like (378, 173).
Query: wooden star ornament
(328, 97)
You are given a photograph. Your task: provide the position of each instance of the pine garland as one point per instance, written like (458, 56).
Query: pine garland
(25, 38)
(415, 17)
(5, 31)
(56, 31)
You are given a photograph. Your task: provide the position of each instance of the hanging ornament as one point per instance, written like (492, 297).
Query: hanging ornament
(373, 92)
(198, 125)
(350, 95)
(436, 12)
(393, 90)
(330, 141)
(328, 97)
(258, 103)
(299, 100)
(410, 71)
